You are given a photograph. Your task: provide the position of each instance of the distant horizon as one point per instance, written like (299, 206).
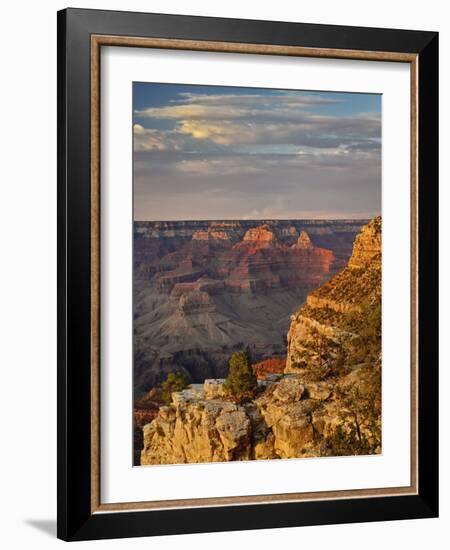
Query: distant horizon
(233, 153)
(364, 218)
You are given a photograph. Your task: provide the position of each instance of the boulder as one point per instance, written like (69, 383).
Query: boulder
(289, 390)
(214, 388)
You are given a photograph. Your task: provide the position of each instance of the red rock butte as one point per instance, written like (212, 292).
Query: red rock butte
(303, 241)
(261, 235)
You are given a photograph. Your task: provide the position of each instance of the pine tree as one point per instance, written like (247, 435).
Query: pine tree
(241, 379)
(175, 381)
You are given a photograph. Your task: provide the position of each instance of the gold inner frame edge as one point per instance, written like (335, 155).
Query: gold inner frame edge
(97, 41)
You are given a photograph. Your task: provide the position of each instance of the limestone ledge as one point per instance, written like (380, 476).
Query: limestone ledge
(286, 420)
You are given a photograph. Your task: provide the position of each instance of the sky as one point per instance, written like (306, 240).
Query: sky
(221, 153)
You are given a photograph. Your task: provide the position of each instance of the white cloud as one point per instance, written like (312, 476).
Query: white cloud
(236, 155)
(283, 118)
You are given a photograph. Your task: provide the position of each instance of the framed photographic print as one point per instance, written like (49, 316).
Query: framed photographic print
(247, 252)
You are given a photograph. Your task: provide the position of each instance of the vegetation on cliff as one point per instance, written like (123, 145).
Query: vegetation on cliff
(175, 381)
(241, 380)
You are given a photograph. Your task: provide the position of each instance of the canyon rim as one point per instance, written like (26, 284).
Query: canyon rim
(256, 274)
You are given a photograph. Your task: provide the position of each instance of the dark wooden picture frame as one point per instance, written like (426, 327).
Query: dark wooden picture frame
(81, 34)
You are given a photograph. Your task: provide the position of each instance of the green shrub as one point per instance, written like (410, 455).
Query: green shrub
(241, 379)
(175, 381)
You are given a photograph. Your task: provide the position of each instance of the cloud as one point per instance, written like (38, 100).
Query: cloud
(148, 139)
(277, 154)
(233, 106)
(280, 118)
(225, 166)
(240, 170)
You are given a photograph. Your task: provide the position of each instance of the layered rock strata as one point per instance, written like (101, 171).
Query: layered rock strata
(327, 310)
(202, 289)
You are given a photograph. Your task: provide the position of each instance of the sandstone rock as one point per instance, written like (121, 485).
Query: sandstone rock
(234, 432)
(196, 429)
(367, 247)
(201, 427)
(214, 388)
(289, 390)
(303, 241)
(274, 411)
(302, 341)
(262, 235)
(347, 292)
(194, 392)
(339, 306)
(326, 418)
(260, 262)
(321, 391)
(294, 435)
(265, 448)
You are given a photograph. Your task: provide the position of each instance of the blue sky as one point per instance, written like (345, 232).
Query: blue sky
(210, 152)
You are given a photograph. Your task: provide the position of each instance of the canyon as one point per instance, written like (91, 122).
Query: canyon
(324, 399)
(204, 289)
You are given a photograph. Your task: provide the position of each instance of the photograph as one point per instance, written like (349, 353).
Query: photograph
(257, 270)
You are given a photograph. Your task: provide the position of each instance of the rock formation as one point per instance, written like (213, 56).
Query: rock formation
(303, 241)
(260, 236)
(210, 234)
(202, 426)
(367, 247)
(197, 429)
(202, 288)
(326, 314)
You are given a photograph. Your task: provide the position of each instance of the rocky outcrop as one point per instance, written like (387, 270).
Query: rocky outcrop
(325, 318)
(303, 241)
(197, 429)
(367, 247)
(202, 426)
(260, 235)
(260, 262)
(288, 418)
